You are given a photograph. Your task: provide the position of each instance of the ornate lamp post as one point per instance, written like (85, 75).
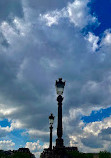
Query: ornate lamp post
(59, 151)
(59, 89)
(51, 121)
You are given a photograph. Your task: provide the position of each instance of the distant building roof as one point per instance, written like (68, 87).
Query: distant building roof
(26, 150)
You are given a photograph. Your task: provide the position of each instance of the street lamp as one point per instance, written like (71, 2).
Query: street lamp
(51, 121)
(59, 89)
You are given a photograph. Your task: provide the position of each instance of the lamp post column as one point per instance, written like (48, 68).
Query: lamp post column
(51, 121)
(59, 89)
(50, 146)
(59, 140)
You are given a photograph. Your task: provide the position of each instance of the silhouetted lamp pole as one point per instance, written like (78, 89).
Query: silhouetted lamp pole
(51, 121)
(59, 89)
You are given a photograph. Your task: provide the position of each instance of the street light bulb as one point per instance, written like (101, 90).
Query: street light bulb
(59, 90)
(51, 119)
(60, 86)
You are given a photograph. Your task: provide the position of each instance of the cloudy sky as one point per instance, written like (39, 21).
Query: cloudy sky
(41, 41)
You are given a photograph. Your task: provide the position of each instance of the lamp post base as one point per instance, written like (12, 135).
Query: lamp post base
(59, 143)
(58, 152)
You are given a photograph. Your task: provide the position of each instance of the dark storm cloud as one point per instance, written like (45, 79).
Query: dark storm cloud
(16, 73)
(92, 142)
(105, 134)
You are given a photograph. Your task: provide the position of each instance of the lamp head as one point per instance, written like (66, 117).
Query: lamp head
(60, 86)
(51, 119)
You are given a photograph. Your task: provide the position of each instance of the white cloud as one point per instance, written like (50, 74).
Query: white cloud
(107, 37)
(5, 111)
(96, 127)
(4, 27)
(7, 145)
(15, 124)
(34, 132)
(36, 148)
(50, 20)
(93, 40)
(95, 136)
(77, 12)
(20, 26)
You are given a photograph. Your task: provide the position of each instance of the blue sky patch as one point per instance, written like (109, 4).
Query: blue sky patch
(97, 115)
(102, 10)
(5, 123)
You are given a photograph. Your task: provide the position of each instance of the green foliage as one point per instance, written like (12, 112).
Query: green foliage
(2, 155)
(15, 155)
(20, 155)
(80, 155)
(104, 154)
